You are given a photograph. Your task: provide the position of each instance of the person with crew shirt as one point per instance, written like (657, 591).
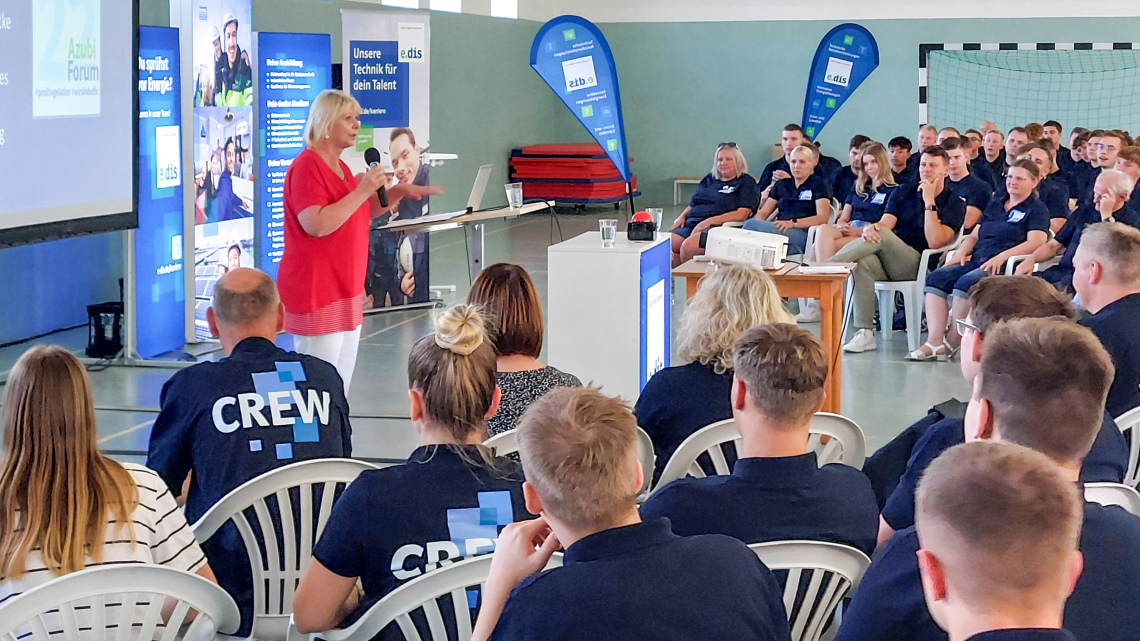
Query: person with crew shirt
(843, 180)
(991, 161)
(449, 500)
(621, 577)
(1111, 193)
(726, 194)
(791, 137)
(917, 217)
(998, 531)
(864, 205)
(899, 151)
(971, 190)
(1107, 281)
(223, 423)
(991, 301)
(1052, 192)
(777, 491)
(1042, 384)
(800, 201)
(1013, 223)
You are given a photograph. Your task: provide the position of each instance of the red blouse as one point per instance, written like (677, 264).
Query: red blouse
(322, 278)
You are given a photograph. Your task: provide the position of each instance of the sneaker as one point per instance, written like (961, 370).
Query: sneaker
(863, 341)
(809, 312)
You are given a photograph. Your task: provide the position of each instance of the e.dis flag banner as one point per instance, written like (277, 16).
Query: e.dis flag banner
(573, 57)
(843, 60)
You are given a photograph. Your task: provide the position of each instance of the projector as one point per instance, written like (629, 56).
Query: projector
(735, 245)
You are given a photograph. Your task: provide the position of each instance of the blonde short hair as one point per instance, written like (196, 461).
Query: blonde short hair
(1116, 246)
(329, 106)
(737, 155)
(784, 369)
(579, 452)
(729, 302)
(811, 150)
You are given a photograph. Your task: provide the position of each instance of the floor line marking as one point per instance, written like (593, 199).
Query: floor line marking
(394, 326)
(126, 431)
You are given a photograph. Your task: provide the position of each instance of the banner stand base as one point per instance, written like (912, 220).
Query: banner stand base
(402, 308)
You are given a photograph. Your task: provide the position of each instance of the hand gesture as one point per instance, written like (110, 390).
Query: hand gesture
(372, 180)
(780, 174)
(1024, 268)
(408, 284)
(1107, 204)
(523, 549)
(960, 258)
(871, 234)
(784, 225)
(927, 188)
(996, 265)
(413, 192)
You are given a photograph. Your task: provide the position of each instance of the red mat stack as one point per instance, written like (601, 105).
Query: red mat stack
(568, 173)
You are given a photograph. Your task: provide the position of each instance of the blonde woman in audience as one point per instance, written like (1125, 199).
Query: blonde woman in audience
(680, 400)
(64, 506)
(874, 184)
(449, 500)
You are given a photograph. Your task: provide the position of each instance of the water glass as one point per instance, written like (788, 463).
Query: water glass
(608, 227)
(514, 195)
(656, 212)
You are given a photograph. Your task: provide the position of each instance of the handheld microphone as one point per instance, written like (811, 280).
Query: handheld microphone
(372, 157)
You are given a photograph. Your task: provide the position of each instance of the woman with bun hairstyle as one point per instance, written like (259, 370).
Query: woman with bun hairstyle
(448, 501)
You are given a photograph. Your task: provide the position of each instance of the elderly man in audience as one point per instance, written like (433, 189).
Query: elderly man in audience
(258, 408)
(1107, 280)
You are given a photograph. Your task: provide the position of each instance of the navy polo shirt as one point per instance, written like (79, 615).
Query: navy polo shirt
(972, 191)
(774, 499)
(843, 183)
(1105, 605)
(1106, 462)
(1118, 328)
(235, 419)
(794, 202)
(394, 524)
(870, 206)
(982, 172)
(886, 465)
(994, 170)
(644, 582)
(1085, 215)
(913, 161)
(781, 164)
(827, 166)
(907, 175)
(714, 197)
(1002, 230)
(678, 401)
(906, 205)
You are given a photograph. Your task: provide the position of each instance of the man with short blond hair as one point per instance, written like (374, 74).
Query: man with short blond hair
(620, 578)
(999, 525)
(777, 491)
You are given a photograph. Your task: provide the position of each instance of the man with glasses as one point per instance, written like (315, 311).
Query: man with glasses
(1108, 148)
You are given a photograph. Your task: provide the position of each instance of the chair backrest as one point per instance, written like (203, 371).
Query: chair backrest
(845, 444)
(820, 576)
(423, 594)
(287, 545)
(507, 442)
(1129, 424)
(1125, 496)
(120, 603)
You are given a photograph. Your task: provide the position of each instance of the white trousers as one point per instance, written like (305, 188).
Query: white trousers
(338, 348)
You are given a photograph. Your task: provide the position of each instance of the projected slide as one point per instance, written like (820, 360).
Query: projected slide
(66, 111)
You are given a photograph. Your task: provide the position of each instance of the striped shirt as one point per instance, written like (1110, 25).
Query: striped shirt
(159, 532)
(339, 316)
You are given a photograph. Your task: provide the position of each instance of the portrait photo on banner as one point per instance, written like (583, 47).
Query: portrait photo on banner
(223, 76)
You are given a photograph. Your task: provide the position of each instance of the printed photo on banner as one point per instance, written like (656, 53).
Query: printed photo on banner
(398, 262)
(222, 71)
(218, 248)
(223, 164)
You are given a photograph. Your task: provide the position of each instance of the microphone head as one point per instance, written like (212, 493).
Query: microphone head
(371, 156)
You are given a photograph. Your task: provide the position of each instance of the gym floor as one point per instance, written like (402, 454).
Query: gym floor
(881, 392)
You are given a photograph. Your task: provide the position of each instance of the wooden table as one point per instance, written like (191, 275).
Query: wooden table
(826, 288)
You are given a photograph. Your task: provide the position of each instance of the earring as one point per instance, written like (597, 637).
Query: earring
(326, 135)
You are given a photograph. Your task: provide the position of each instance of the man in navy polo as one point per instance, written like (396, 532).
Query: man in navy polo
(999, 526)
(777, 491)
(791, 137)
(621, 578)
(974, 192)
(1042, 385)
(994, 300)
(261, 407)
(1106, 277)
(899, 154)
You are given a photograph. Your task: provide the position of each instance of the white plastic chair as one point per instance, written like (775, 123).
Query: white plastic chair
(832, 572)
(1129, 424)
(846, 444)
(421, 593)
(913, 299)
(122, 602)
(1125, 496)
(287, 553)
(507, 442)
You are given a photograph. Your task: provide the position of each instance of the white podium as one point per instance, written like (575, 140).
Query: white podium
(608, 311)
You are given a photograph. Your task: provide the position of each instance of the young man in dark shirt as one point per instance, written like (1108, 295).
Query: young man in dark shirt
(777, 491)
(970, 189)
(992, 158)
(621, 578)
(899, 153)
(998, 524)
(791, 137)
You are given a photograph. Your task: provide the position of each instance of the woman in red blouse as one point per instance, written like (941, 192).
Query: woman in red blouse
(327, 213)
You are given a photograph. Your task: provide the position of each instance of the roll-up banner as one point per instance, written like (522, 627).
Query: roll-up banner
(574, 59)
(160, 292)
(292, 68)
(387, 68)
(843, 60)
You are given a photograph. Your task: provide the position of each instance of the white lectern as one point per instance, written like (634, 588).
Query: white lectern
(608, 310)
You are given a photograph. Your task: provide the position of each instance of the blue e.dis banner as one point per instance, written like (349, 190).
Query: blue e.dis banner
(574, 58)
(843, 60)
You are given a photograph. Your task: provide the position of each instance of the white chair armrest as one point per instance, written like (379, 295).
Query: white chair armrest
(927, 255)
(1013, 261)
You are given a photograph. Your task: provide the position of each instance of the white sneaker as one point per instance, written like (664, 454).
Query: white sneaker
(809, 311)
(863, 341)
